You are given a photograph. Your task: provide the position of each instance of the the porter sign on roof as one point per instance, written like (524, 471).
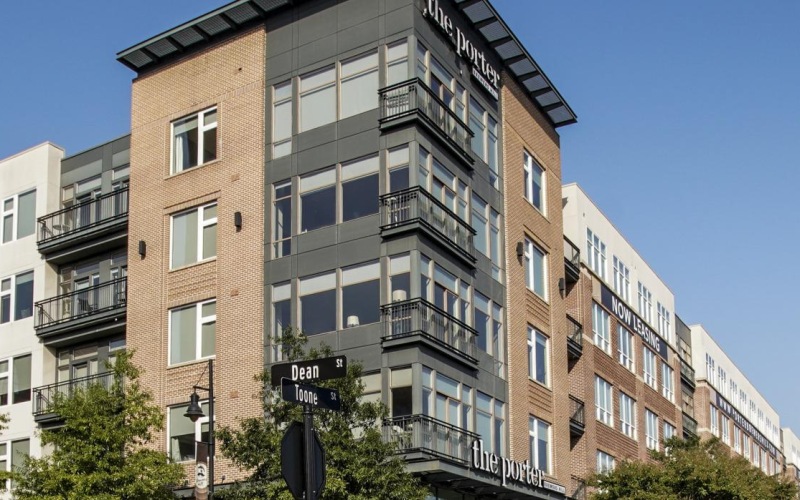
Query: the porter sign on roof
(482, 71)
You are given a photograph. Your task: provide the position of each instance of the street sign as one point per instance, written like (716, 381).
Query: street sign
(315, 369)
(311, 395)
(293, 462)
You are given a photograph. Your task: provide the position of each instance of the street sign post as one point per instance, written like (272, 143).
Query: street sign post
(305, 371)
(310, 395)
(293, 466)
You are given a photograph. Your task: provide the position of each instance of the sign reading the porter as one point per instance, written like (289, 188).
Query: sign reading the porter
(510, 470)
(482, 71)
(632, 321)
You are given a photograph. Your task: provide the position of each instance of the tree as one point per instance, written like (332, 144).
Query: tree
(692, 470)
(101, 451)
(3, 474)
(359, 464)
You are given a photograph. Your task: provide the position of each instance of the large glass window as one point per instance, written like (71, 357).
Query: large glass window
(713, 417)
(669, 431)
(184, 434)
(194, 236)
(726, 430)
(401, 399)
(627, 415)
(651, 430)
(318, 200)
(534, 182)
(282, 219)
(359, 79)
(396, 62)
(626, 356)
(400, 277)
(18, 216)
(535, 269)
(317, 98)
(537, 356)
(649, 363)
(360, 188)
(601, 328)
(486, 222)
(193, 332)
(596, 253)
(16, 297)
(490, 414)
(282, 119)
(622, 279)
(605, 462)
(539, 439)
(361, 294)
(664, 327)
(603, 402)
(447, 400)
(398, 169)
(645, 303)
(4, 379)
(281, 316)
(194, 140)
(15, 380)
(667, 382)
(318, 303)
(477, 123)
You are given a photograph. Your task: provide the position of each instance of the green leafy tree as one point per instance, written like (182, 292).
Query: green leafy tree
(3, 474)
(359, 465)
(691, 470)
(101, 451)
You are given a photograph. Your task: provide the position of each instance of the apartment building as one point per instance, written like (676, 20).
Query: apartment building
(341, 167)
(28, 190)
(626, 346)
(729, 407)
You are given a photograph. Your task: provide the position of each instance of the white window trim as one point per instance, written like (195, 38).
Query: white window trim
(533, 435)
(276, 102)
(13, 212)
(626, 359)
(650, 361)
(530, 272)
(11, 293)
(533, 341)
(528, 167)
(596, 257)
(650, 426)
(667, 382)
(627, 415)
(201, 224)
(605, 462)
(200, 320)
(9, 375)
(198, 428)
(622, 279)
(600, 340)
(201, 129)
(603, 414)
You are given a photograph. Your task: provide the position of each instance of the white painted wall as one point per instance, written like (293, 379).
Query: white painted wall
(37, 167)
(581, 213)
(791, 447)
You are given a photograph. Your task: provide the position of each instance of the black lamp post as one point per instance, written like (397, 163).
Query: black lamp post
(195, 411)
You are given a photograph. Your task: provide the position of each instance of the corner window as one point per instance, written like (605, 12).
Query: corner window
(488, 322)
(194, 236)
(16, 297)
(398, 161)
(184, 434)
(537, 356)
(282, 119)
(535, 269)
(19, 216)
(491, 421)
(194, 140)
(400, 277)
(359, 87)
(534, 182)
(486, 222)
(400, 393)
(539, 439)
(15, 374)
(192, 332)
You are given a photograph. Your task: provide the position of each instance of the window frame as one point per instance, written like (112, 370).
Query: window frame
(201, 225)
(626, 348)
(622, 279)
(276, 103)
(534, 438)
(538, 341)
(12, 294)
(667, 382)
(200, 320)
(601, 339)
(528, 165)
(8, 376)
(14, 214)
(713, 417)
(341, 80)
(651, 430)
(198, 428)
(604, 411)
(649, 367)
(605, 462)
(645, 303)
(596, 254)
(627, 415)
(325, 85)
(202, 128)
(530, 269)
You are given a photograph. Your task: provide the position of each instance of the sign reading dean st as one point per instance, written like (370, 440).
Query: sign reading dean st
(482, 71)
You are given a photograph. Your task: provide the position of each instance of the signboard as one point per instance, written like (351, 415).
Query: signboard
(745, 424)
(315, 369)
(634, 323)
(520, 472)
(293, 461)
(306, 394)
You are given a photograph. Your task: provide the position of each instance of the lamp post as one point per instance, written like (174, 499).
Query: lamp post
(195, 411)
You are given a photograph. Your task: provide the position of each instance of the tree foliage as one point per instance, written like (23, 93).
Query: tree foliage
(3, 474)
(358, 468)
(101, 451)
(691, 470)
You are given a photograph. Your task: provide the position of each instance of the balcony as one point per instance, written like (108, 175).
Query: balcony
(572, 262)
(421, 437)
(84, 229)
(44, 397)
(687, 374)
(689, 427)
(577, 417)
(415, 209)
(417, 320)
(82, 314)
(574, 339)
(411, 101)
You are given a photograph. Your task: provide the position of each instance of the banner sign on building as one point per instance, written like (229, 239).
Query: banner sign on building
(520, 472)
(746, 426)
(633, 322)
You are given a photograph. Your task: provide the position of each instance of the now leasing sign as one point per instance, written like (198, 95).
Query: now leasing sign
(520, 472)
(633, 322)
(482, 71)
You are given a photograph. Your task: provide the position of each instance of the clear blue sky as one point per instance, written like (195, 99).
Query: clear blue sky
(688, 136)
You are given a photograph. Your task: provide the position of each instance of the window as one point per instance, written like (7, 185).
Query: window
(16, 297)
(282, 219)
(649, 364)
(318, 303)
(12, 457)
(486, 222)
(626, 352)
(537, 356)
(539, 439)
(605, 462)
(282, 119)
(318, 200)
(627, 415)
(726, 430)
(19, 216)
(400, 400)
(622, 279)
(398, 169)
(534, 182)
(192, 332)
(664, 322)
(722, 378)
(746, 445)
(710, 370)
(361, 294)
(669, 431)
(488, 322)
(737, 439)
(667, 382)
(400, 277)
(194, 236)
(645, 303)
(713, 416)
(183, 433)
(359, 88)
(484, 141)
(444, 185)
(602, 400)
(451, 401)
(15, 374)
(317, 98)
(194, 140)
(360, 188)
(281, 316)
(490, 415)
(396, 62)
(600, 328)
(535, 269)
(596, 252)
(651, 430)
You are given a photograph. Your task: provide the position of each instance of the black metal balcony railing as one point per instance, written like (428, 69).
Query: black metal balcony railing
(687, 372)
(689, 425)
(424, 434)
(417, 205)
(572, 261)
(577, 412)
(419, 317)
(574, 339)
(83, 216)
(43, 397)
(89, 301)
(413, 97)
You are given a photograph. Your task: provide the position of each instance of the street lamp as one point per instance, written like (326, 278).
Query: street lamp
(195, 411)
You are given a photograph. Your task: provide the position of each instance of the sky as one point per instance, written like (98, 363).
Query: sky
(688, 136)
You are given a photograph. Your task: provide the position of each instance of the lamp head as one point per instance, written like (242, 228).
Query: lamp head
(194, 411)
